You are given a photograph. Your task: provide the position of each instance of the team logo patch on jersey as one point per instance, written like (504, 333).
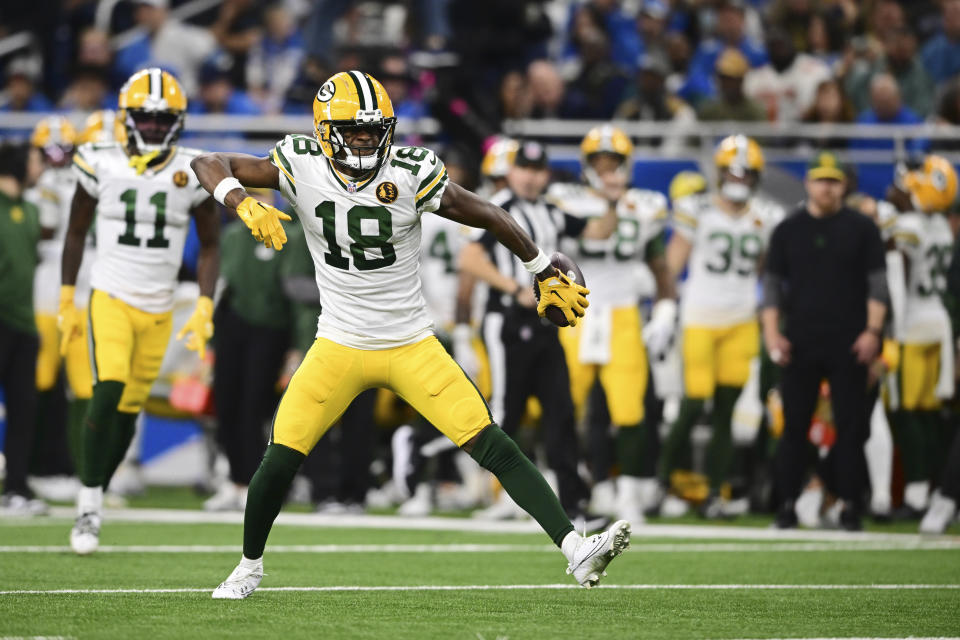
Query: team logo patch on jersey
(180, 178)
(387, 192)
(16, 214)
(326, 91)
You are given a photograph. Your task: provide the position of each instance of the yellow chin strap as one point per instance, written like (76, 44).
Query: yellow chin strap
(140, 162)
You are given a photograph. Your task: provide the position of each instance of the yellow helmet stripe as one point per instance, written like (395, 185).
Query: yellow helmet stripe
(363, 91)
(156, 84)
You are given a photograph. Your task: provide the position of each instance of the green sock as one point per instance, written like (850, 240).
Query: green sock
(125, 424)
(98, 432)
(629, 446)
(912, 442)
(679, 436)
(497, 453)
(720, 450)
(266, 494)
(76, 411)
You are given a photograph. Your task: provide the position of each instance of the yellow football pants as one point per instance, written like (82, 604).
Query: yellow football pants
(332, 375)
(718, 356)
(77, 361)
(128, 346)
(624, 378)
(919, 372)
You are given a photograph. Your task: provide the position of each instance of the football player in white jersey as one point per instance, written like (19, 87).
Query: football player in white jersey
(720, 238)
(360, 200)
(609, 344)
(925, 239)
(144, 194)
(55, 138)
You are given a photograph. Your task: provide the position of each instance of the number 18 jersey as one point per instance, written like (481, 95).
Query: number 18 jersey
(142, 222)
(721, 286)
(364, 237)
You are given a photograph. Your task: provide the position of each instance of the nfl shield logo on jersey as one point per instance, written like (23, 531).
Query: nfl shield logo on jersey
(352, 187)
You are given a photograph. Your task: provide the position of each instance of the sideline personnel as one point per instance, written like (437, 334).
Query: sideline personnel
(826, 273)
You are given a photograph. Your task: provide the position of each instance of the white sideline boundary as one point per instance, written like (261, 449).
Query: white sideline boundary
(510, 587)
(469, 525)
(720, 547)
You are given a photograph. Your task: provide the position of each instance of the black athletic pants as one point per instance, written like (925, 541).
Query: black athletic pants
(526, 359)
(245, 372)
(18, 376)
(810, 362)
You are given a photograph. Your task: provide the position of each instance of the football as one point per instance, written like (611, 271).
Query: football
(567, 266)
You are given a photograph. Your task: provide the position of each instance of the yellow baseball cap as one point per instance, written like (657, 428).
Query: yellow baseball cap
(825, 166)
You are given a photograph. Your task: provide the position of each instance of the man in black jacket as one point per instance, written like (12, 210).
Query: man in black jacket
(826, 280)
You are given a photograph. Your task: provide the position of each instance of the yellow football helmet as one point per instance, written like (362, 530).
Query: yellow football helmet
(606, 139)
(933, 185)
(56, 137)
(742, 158)
(103, 126)
(499, 158)
(353, 100)
(686, 183)
(152, 110)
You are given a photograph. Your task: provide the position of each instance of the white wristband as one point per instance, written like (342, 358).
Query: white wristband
(224, 187)
(538, 264)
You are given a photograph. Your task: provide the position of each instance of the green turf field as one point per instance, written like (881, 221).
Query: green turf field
(325, 582)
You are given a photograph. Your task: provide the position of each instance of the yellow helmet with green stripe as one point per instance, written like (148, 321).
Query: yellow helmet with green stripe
(353, 100)
(152, 109)
(56, 138)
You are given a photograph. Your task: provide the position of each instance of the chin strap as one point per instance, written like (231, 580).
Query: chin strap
(140, 162)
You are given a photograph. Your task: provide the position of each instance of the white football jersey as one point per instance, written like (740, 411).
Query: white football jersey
(614, 269)
(365, 240)
(722, 282)
(927, 242)
(440, 245)
(142, 222)
(52, 195)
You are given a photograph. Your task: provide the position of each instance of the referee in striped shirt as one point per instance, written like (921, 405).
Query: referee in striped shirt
(526, 358)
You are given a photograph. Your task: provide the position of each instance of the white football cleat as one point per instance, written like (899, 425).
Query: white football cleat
(229, 497)
(673, 506)
(242, 582)
(421, 504)
(629, 501)
(590, 557)
(941, 513)
(85, 535)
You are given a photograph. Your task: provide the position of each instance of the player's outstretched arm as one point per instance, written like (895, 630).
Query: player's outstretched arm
(555, 288)
(224, 175)
(69, 318)
(467, 208)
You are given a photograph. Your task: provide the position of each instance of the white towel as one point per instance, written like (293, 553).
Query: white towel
(595, 336)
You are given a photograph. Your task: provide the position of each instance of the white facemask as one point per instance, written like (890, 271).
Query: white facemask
(735, 191)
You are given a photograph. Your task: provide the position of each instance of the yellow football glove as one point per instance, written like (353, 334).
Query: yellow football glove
(263, 222)
(199, 326)
(69, 318)
(560, 291)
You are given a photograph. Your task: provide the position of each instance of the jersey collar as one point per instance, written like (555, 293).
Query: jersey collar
(346, 181)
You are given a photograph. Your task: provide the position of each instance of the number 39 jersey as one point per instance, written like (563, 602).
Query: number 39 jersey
(927, 242)
(721, 286)
(142, 222)
(364, 237)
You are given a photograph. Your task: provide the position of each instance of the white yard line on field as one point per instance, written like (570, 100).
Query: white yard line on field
(515, 587)
(468, 525)
(719, 547)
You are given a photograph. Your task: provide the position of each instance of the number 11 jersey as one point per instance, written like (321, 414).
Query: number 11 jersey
(142, 222)
(364, 237)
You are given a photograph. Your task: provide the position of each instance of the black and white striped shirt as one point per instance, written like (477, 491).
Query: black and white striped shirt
(543, 222)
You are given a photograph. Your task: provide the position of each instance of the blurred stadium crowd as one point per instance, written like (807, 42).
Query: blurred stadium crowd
(472, 66)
